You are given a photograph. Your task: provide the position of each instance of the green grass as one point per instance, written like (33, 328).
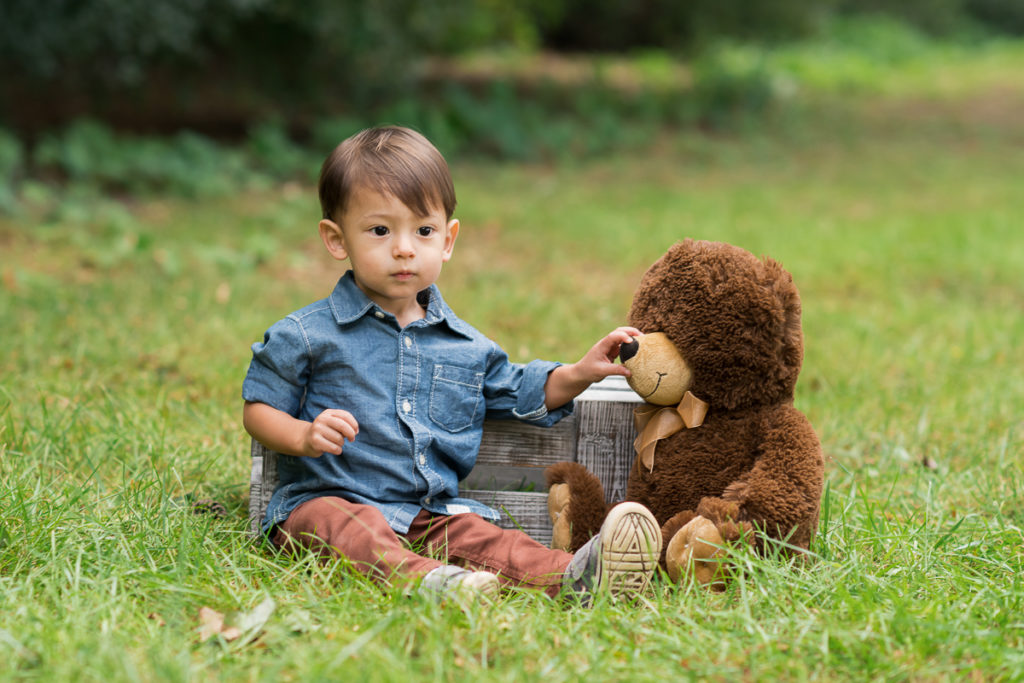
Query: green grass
(126, 332)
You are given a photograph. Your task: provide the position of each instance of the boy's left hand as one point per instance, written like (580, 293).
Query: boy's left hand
(599, 361)
(566, 382)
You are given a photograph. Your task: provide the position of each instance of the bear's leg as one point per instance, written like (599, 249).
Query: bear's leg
(575, 504)
(728, 517)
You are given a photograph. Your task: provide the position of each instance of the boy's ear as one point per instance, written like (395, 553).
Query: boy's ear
(449, 238)
(333, 238)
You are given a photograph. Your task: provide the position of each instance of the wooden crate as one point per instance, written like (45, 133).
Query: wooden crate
(509, 474)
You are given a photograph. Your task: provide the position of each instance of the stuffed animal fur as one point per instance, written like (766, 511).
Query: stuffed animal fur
(723, 455)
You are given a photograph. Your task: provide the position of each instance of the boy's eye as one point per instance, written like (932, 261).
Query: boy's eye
(379, 230)
(425, 230)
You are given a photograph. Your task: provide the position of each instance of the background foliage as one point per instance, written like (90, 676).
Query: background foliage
(519, 106)
(219, 66)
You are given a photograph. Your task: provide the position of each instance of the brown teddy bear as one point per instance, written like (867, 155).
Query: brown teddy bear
(722, 453)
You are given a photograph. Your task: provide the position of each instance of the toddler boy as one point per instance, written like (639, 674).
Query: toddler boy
(376, 397)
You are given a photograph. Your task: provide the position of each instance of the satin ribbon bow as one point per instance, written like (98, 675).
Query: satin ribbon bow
(654, 423)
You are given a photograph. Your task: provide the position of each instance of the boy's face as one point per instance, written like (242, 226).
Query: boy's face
(394, 252)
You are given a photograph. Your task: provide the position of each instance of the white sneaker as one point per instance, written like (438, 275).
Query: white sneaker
(621, 558)
(462, 584)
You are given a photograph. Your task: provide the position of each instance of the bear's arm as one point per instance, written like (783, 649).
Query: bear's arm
(781, 493)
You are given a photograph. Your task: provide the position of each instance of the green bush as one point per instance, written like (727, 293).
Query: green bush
(274, 152)
(939, 17)
(11, 167)
(854, 53)
(732, 83)
(189, 164)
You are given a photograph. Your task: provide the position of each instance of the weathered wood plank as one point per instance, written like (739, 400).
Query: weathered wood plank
(519, 510)
(262, 482)
(605, 443)
(507, 442)
(505, 478)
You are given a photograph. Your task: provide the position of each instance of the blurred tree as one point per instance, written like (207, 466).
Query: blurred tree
(599, 25)
(113, 41)
(1006, 16)
(117, 58)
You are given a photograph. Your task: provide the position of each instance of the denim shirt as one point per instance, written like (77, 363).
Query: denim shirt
(419, 393)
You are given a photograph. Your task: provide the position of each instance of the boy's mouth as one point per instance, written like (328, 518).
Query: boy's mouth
(404, 275)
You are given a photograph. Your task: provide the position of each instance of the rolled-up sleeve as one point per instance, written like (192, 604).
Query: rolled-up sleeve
(515, 391)
(279, 368)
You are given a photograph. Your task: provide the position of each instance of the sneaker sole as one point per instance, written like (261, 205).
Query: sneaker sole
(630, 549)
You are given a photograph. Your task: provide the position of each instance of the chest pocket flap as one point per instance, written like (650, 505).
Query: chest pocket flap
(455, 397)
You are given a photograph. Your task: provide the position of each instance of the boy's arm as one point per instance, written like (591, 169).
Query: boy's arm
(279, 431)
(566, 382)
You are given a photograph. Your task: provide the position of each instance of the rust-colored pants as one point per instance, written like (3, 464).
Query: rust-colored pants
(336, 527)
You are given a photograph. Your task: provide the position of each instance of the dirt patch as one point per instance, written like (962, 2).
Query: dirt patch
(997, 108)
(528, 72)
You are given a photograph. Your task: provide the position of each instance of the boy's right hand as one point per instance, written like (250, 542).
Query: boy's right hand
(328, 432)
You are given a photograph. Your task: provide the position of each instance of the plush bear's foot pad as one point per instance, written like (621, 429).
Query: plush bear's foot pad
(696, 549)
(558, 512)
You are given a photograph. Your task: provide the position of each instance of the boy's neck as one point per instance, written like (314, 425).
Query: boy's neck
(406, 311)
(411, 315)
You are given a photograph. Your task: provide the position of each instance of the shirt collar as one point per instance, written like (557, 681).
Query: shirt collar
(349, 303)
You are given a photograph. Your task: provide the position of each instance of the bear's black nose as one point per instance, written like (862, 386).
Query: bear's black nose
(628, 350)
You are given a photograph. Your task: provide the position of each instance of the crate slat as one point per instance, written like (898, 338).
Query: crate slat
(505, 478)
(507, 442)
(605, 444)
(519, 510)
(262, 482)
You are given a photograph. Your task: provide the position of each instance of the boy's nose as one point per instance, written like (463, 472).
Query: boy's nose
(403, 247)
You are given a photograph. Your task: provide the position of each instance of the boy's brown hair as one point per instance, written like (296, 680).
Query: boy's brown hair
(390, 160)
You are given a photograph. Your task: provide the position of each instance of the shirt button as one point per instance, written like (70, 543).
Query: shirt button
(408, 343)
(423, 459)
(379, 314)
(426, 501)
(406, 406)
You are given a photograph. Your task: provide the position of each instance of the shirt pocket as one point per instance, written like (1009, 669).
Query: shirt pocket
(455, 397)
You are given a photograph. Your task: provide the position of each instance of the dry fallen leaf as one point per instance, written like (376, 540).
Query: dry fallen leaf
(249, 623)
(212, 623)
